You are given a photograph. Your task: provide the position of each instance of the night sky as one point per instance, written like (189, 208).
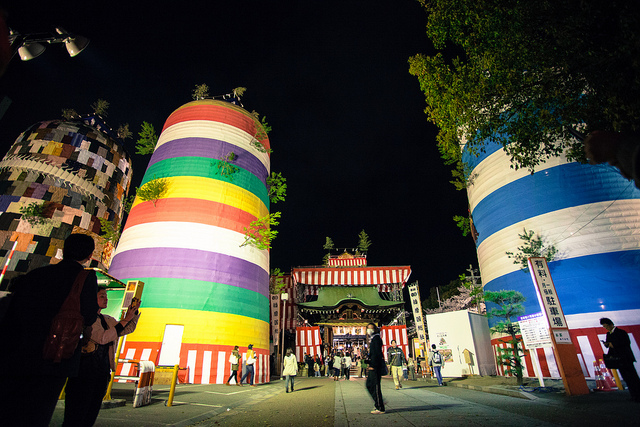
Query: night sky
(331, 77)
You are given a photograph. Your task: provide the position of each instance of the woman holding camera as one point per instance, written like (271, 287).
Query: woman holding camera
(85, 392)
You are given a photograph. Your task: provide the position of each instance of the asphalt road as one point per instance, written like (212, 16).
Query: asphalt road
(323, 402)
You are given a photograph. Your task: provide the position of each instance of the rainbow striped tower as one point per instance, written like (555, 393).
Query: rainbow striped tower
(590, 213)
(186, 247)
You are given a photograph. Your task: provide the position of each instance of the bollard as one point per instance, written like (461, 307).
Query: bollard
(174, 380)
(617, 379)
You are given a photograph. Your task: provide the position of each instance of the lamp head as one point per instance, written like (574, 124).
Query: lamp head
(28, 51)
(74, 44)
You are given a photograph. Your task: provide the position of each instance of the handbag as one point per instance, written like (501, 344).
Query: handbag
(612, 362)
(233, 359)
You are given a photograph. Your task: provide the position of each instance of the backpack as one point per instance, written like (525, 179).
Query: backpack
(67, 326)
(437, 358)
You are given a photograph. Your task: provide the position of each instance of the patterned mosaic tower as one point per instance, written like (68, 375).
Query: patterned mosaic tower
(590, 213)
(81, 173)
(186, 246)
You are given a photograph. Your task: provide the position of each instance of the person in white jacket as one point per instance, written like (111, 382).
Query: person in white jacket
(290, 369)
(84, 393)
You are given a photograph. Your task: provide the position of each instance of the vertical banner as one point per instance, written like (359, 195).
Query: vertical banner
(548, 299)
(275, 318)
(564, 350)
(416, 307)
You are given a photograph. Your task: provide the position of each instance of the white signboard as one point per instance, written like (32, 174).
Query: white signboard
(546, 291)
(535, 331)
(416, 307)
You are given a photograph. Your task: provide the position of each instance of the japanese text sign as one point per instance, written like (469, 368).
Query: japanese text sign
(275, 317)
(416, 307)
(546, 291)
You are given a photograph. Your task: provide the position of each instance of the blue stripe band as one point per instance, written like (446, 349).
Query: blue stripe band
(592, 283)
(560, 187)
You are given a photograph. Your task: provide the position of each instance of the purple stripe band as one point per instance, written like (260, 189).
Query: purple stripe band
(212, 149)
(190, 264)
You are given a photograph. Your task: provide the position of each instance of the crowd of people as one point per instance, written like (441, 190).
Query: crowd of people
(39, 295)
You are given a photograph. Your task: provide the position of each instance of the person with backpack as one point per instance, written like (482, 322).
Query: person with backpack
(436, 361)
(31, 384)
(396, 360)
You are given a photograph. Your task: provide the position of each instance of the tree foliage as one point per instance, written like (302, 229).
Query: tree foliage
(277, 185)
(239, 92)
(124, 132)
(153, 190)
(463, 223)
(110, 231)
(200, 92)
(520, 73)
(328, 245)
(534, 246)
(509, 308)
(225, 165)
(33, 213)
(147, 140)
(445, 292)
(100, 107)
(276, 281)
(69, 113)
(260, 232)
(363, 242)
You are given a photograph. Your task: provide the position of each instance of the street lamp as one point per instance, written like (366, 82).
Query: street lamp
(30, 46)
(284, 297)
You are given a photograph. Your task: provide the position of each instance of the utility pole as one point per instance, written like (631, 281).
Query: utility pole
(480, 305)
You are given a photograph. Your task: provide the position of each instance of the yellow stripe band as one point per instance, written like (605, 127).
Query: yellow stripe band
(195, 187)
(201, 327)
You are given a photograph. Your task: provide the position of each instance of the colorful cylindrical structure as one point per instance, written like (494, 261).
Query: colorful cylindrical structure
(187, 247)
(590, 213)
(78, 171)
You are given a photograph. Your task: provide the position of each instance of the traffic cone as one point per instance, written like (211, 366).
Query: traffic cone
(608, 378)
(601, 384)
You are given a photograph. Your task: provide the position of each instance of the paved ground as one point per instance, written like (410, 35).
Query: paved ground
(478, 401)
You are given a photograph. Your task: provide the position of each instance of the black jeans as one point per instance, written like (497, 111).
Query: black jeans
(234, 374)
(630, 376)
(29, 400)
(83, 399)
(373, 385)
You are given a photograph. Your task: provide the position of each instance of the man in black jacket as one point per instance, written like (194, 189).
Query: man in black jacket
(619, 345)
(396, 358)
(31, 385)
(376, 368)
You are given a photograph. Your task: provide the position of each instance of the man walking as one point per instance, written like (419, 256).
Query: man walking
(250, 362)
(376, 368)
(396, 359)
(619, 346)
(436, 361)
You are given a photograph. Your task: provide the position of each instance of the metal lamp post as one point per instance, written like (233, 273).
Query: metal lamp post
(284, 297)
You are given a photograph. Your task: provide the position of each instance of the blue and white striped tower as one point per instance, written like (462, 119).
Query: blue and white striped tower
(590, 213)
